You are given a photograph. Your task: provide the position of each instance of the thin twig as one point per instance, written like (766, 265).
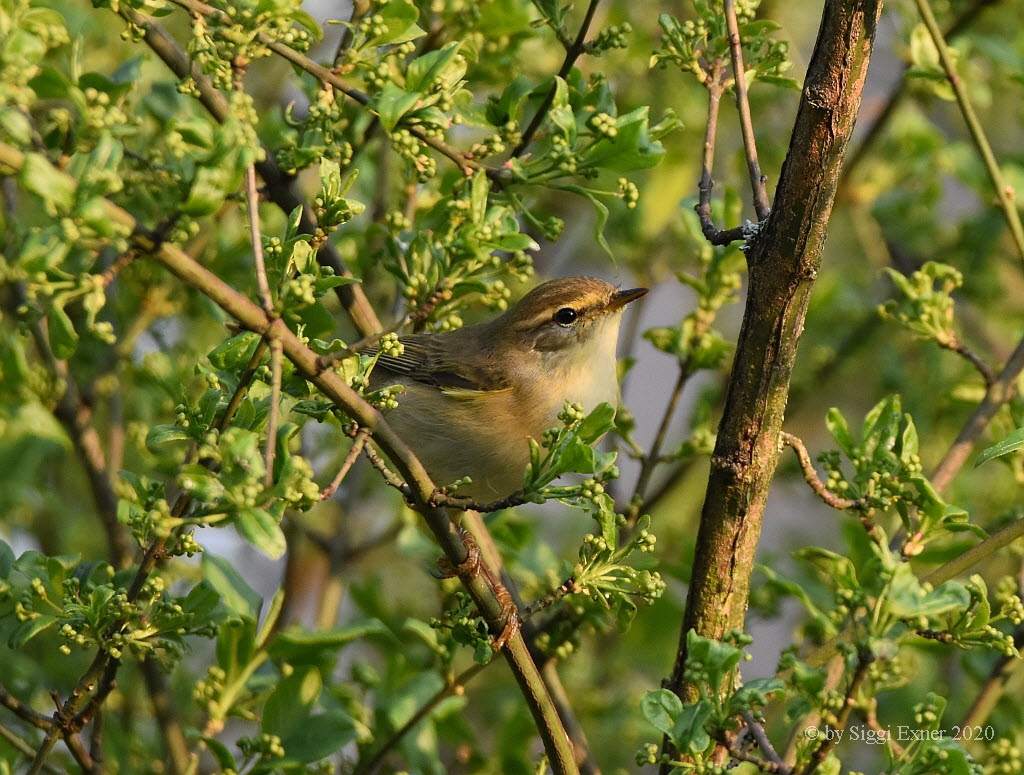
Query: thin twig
(96, 739)
(977, 553)
(274, 413)
(253, 211)
(75, 416)
(440, 498)
(23, 711)
(757, 180)
(830, 734)
(757, 730)
(25, 749)
(359, 10)
(715, 85)
(564, 589)
(351, 553)
(653, 456)
(79, 754)
(1000, 391)
(390, 477)
(1004, 192)
(168, 718)
(811, 476)
(357, 446)
(572, 53)
(992, 689)
(456, 686)
(971, 357)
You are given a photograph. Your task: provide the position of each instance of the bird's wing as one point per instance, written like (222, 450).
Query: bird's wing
(426, 360)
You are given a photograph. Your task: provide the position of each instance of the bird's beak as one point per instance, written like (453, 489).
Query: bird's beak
(622, 298)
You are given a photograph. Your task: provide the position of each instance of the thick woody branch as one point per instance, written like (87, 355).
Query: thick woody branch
(784, 260)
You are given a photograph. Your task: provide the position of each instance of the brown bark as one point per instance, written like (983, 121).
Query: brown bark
(783, 260)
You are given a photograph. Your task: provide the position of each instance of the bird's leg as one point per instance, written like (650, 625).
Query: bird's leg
(471, 568)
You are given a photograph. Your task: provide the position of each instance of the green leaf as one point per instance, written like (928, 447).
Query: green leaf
(63, 337)
(292, 702)
(27, 630)
(164, 434)
(1011, 443)
(597, 423)
(630, 149)
(236, 593)
(316, 408)
(261, 530)
(716, 659)
(56, 189)
(319, 736)
(440, 65)
(601, 212)
(298, 646)
(908, 599)
(393, 102)
(221, 754)
(14, 124)
(661, 707)
(400, 16)
(234, 353)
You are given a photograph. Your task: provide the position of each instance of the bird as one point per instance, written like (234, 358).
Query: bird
(474, 396)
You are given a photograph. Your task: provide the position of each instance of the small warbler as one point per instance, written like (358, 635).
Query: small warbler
(473, 395)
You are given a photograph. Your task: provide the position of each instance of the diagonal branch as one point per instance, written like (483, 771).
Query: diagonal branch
(485, 591)
(1004, 193)
(895, 97)
(572, 52)
(280, 187)
(999, 392)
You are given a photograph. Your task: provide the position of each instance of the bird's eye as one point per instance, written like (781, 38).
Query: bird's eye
(566, 316)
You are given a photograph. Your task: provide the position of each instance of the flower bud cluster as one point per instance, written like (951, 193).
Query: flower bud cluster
(1008, 601)
(611, 37)
(265, 746)
(414, 153)
(1004, 757)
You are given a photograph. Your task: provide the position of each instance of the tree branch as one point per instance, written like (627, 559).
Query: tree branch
(572, 53)
(895, 97)
(757, 180)
(486, 593)
(783, 260)
(1004, 192)
(999, 392)
(357, 446)
(652, 458)
(456, 686)
(864, 660)
(811, 476)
